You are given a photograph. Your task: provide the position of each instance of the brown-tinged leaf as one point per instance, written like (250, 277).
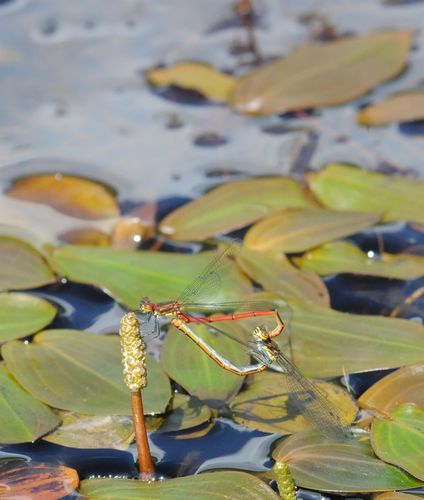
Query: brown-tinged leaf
(403, 107)
(232, 206)
(346, 187)
(323, 74)
(75, 196)
(192, 75)
(396, 495)
(85, 236)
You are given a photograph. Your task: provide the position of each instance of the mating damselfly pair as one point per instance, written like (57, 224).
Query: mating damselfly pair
(267, 324)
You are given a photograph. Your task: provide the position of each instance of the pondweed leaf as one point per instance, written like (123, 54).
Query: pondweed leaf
(22, 418)
(396, 495)
(232, 206)
(323, 74)
(345, 257)
(346, 187)
(81, 372)
(23, 314)
(299, 229)
(399, 438)
(344, 467)
(192, 75)
(403, 107)
(223, 484)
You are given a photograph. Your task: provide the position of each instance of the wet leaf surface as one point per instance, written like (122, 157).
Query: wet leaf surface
(81, 372)
(349, 466)
(22, 314)
(297, 230)
(75, 196)
(199, 375)
(345, 187)
(219, 485)
(268, 404)
(275, 273)
(405, 385)
(399, 438)
(232, 206)
(22, 418)
(37, 481)
(323, 74)
(197, 76)
(328, 343)
(345, 257)
(397, 108)
(92, 431)
(129, 276)
(22, 266)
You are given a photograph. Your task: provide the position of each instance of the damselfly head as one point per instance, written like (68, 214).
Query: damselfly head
(260, 333)
(146, 306)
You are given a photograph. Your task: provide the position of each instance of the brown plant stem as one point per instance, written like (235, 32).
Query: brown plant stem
(145, 464)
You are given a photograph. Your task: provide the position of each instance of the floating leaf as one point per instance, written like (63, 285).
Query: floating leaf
(345, 257)
(297, 230)
(194, 76)
(349, 466)
(405, 385)
(36, 481)
(22, 314)
(198, 374)
(400, 439)
(269, 404)
(345, 187)
(93, 431)
(395, 495)
(82, 372)
(233, 205)
(86, 236)
(223, 484)
(328, 343)
(22, 418)
(397, 108)
(322, 74)
(22, 266)
(129, 276)
(75, 196)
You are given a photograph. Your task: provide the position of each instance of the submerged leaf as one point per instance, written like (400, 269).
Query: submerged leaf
(22, 418)
(349, 466)
(222, 484)
(403, 107)
(197, 76)
(22, 314)
(345, 187)
(399, 439)
(129, 276)
(299, 229)
(81, 372)
(322, 74)
(75, 196)
(232, 206)
(345, 257)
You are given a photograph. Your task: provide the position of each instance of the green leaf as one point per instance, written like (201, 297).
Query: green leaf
(297, 230)
(194, 76)
(199, 375)
(344, 467)
(129, 276)
(22, 418)
(93, 431)
(275, 274)
(22, 266)
(232, 206)
(326, 73)
(328, 343)
(22, 315)
(399, 439)
(345, 187)
(82, 372)
(396, 495)
(223, 484)
(403, 107)
(345, 257)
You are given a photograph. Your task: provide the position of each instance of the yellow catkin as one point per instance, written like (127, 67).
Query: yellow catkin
(285, 482)
(133, 353)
